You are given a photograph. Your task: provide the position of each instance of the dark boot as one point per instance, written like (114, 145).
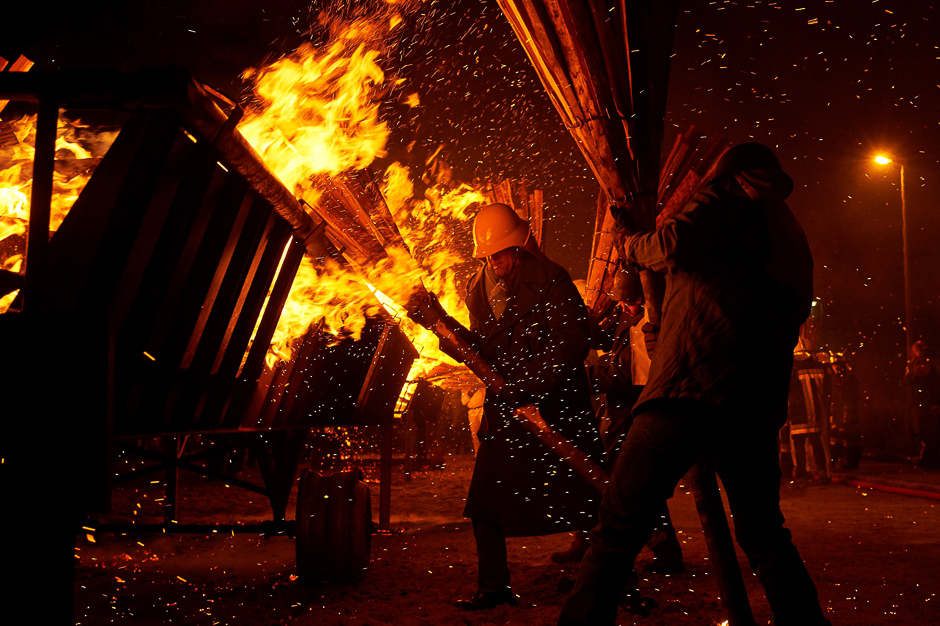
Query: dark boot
(667, 553)
(481, 601)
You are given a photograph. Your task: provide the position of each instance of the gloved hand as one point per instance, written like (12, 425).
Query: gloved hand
(510, 395)
(624, 220)
(650, 335)
(423, 307)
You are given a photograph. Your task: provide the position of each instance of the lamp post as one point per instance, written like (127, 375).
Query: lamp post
(908, 329)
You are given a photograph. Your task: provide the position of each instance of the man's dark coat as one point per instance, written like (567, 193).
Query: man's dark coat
(739, 281)
(539, 345)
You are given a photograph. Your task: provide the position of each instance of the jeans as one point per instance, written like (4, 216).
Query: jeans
(665, 440)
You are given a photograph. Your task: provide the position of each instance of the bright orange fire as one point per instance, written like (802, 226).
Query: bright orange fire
(77, 150)
(316, 118)
(428, 226)
(317, 113)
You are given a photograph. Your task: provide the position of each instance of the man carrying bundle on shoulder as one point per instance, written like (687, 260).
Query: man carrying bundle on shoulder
(738, 286)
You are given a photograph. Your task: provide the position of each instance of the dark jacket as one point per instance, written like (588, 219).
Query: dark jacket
(538, 344)
(738, 286)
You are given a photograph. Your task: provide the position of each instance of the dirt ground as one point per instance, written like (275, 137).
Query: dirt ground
(874, 557)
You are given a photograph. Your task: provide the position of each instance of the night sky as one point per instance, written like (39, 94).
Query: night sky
(826, 83)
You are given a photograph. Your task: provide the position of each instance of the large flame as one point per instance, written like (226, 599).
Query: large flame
(434, 228)
(343, 298)
(316, 116)
(317, 113)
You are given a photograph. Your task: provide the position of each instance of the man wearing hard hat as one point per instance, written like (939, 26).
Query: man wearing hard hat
(528, 321)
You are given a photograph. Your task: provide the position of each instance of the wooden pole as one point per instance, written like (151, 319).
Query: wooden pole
(40, 204)
(711, 512)
(908, 300)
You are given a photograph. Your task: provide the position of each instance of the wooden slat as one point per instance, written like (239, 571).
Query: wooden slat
(255, 284)
(149, 314)
(205, 263)
(220, 309)
(151, 192)
(150, 301)
(254, 361)
(163, 344)
(216, 298)
(228, 359)
(40, 202)
(239, 272)
(203, 277)
(22, 64)
(273, 308)
(180, 295)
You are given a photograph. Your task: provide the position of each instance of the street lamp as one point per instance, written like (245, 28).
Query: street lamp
(908, 329)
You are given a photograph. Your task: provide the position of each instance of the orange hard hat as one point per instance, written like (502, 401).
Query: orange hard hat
(497, 227)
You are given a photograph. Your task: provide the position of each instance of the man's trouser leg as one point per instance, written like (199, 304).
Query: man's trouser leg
(665, 545)
(750, 473)
(493, 570)
(659, 448)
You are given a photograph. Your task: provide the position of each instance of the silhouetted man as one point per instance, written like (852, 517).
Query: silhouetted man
(738, 285)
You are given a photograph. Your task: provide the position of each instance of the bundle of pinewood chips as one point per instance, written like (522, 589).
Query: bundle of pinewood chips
(605, 64)
(684, 170)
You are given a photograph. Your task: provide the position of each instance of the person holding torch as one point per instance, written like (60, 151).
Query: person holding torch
(528, 322)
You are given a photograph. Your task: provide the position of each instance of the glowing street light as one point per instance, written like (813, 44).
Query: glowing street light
(908, 329)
